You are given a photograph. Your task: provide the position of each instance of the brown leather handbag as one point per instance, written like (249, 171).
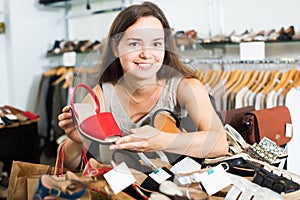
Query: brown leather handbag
(234, 117)
(274, 123)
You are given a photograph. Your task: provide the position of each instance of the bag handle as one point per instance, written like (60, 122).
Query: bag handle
(59, 164)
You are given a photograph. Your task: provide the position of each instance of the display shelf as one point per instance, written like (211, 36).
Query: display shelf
(63, 3)
(221, 44)
(87, 59)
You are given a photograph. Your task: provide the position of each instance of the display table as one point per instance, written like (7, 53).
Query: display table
(19, 143)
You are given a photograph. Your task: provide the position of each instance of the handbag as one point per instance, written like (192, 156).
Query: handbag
(273, 123)
(23, 178)
(234, 117)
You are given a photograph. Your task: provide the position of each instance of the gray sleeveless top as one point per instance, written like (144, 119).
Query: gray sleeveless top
(167, 100)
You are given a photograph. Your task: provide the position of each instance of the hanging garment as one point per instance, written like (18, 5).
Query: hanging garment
(292, 102)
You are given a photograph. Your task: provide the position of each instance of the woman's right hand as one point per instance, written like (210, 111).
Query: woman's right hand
(66, 122)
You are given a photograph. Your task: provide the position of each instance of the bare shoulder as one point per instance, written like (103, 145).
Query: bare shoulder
(191, 83)
(97, 89)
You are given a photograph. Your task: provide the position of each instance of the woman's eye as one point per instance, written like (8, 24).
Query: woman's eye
(158, 44)
(134, 44)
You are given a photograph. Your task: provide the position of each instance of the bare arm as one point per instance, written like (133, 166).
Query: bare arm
(72, 148)
(209, 141)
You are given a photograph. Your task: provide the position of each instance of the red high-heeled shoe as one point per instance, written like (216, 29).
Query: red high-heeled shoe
(100, 127)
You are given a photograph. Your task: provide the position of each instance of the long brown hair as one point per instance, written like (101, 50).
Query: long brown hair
(111, 69)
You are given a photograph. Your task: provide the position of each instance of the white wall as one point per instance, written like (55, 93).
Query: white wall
(239, 15)
(32, 29)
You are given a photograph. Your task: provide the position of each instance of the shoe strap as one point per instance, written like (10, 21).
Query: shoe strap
(92, 93)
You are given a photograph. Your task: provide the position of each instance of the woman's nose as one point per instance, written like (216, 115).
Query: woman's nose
(145, 53)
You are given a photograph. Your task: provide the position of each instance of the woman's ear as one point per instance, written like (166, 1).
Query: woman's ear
(114, 47)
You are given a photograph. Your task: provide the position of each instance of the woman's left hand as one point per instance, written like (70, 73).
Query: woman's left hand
(143, 139)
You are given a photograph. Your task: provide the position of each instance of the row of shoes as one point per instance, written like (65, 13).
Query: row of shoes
(190, 37)
(91, 184)
(13, 117)
(249, 36)
(79, 46)
(186, 38)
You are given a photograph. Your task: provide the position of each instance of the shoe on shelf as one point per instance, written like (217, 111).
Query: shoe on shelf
(2, 124)
(32, 117)
(20, 116)
(92, 124)
(10, 120)
(56, 49)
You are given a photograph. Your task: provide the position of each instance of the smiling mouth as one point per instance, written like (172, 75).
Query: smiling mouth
(144, 65)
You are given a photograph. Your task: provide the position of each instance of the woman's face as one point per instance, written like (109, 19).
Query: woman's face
(141, 50)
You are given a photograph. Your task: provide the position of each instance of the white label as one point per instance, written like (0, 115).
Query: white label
(119, 178)
(215, 179)
(252, 50)
(69, 59)
(288, 130)
(186, 165)
(159, 175)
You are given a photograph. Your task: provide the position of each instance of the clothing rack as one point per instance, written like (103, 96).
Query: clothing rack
(229, 86)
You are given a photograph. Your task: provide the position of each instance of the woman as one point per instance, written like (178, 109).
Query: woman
(142, 73)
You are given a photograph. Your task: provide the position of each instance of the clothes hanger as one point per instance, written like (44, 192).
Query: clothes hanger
(290, 78)
(210, 77)
(51, 72)
(288, 75)
(237, 82)
(225, 75)
(262, 83)
(258, 80)
(61, 72)
(199, 74)
(253, 79)
(246, 79)
(216, 78)
(280, 81)
(68, 78)
(276, 74)
(233, 77)
(297, 80)
(288, 84)
(292, 84)
(207, 75)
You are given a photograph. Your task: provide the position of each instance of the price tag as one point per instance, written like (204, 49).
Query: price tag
(252, 50)
(186, 165)
(119, 178)
(159, 175)
(215, 179)
(69, 59)
(288, 130)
